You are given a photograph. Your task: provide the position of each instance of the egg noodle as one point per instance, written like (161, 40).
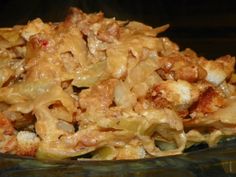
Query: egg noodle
(99, 88)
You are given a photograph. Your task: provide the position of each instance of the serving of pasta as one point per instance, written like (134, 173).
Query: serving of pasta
(98, 88)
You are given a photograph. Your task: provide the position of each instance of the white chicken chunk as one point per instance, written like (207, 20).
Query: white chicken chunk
(27, 143)
(218, 70)
(178, 93)
(215, 73)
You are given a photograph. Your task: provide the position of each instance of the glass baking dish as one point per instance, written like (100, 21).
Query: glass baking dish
(207, 162)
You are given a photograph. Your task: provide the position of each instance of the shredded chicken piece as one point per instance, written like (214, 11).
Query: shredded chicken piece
(99, 96)
(181, 66)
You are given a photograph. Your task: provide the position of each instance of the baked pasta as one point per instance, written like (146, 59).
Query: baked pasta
(103, 89)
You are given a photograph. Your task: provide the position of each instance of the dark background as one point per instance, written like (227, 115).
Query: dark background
(208, 27)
